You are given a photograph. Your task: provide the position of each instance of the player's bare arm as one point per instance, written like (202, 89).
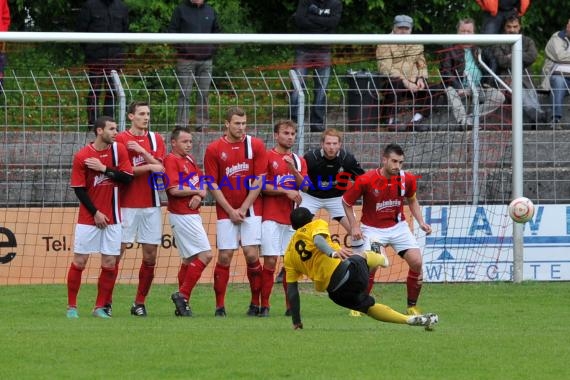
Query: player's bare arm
(416, 211)
(256, 186)
(355, 230)
(149, 158)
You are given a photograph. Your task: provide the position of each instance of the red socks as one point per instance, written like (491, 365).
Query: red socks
(146, 275)
(267, 281)
(414, 287)
(193, 274)
(182, 274)
(254, 271)
(73, 284)
(221, 278)
(105, 286)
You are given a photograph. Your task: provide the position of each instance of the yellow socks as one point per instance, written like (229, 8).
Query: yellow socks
(384, 313)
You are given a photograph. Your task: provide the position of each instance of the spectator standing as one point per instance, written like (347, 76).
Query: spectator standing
(97, 171)
(557, 70)
(234, 166)
(286, 172)
(184, 200)
(497, 11)
(102, 16)
(405, 67)
(315, 17)
(461, 71)
(383, 221)
(140, 211)
(4, 26)
(194, 62)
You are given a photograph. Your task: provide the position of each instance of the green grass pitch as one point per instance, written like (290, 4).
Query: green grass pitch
(486, 331)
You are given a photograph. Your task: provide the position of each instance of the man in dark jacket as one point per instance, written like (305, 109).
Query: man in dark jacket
(497, 11)
(102, 16)
(194, 62)
(315, 17)
(462, 73)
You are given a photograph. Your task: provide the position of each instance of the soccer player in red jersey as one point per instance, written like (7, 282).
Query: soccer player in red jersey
(96, 173)
(140, 208)
(383, 191)
(234, 166)
(185, 196)
(285, 174)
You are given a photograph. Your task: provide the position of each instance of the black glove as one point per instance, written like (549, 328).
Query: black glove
(313, 9)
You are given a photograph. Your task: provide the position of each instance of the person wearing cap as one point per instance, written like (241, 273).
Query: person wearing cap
(343, 275)
(406, 69)
(497, 12)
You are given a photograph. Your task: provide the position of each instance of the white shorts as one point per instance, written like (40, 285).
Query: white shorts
(275, 238)
(332, 205)
(228, 234)
(90, 239)
(144, 224)
(189, 233)
(399, 236)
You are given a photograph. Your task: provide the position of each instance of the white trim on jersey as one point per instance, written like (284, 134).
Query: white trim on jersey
(248, 147)
(297, 161)
(153, 143)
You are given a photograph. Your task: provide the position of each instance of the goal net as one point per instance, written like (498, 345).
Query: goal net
(464, 162)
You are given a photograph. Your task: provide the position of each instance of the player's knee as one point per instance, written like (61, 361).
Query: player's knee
(205, 257)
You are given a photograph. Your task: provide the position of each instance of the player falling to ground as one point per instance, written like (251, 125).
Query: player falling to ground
(285, 174)
(383, 191)
(140, 211)
(96, 173)
(185, 195)
(234, 165)
(344, 276)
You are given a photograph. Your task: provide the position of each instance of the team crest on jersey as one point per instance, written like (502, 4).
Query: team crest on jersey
(223, 156)
(99, 179)
(275, 165)
(340, 169)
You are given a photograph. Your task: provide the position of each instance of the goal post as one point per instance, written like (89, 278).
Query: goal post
(336, 39)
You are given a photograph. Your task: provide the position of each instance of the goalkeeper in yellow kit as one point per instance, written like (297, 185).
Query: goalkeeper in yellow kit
(333, 269)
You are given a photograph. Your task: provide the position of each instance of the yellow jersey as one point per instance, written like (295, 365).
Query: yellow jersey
(302, 257)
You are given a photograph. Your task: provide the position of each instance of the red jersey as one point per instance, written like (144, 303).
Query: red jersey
(382, 199)
(279, 207)
(139, 193)
(233, 166)
(102, 190)
(181, 170)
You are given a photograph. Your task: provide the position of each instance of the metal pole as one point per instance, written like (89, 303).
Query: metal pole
(518, 168)
(122, 99)
(300, 109)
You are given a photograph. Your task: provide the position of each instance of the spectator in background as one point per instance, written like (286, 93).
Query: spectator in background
(102, 16)
(315, 17)
(497, 11)
(4, 26)
(461, 71)
(557, 70)
(194, 62)
(503, 55)
(406, 69)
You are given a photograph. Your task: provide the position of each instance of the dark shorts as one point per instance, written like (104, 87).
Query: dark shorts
(352, 293)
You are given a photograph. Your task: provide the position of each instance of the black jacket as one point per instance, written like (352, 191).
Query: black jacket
(452, 66)
(322, 21)
(323, 173)
(191, 18)
(103, 16)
